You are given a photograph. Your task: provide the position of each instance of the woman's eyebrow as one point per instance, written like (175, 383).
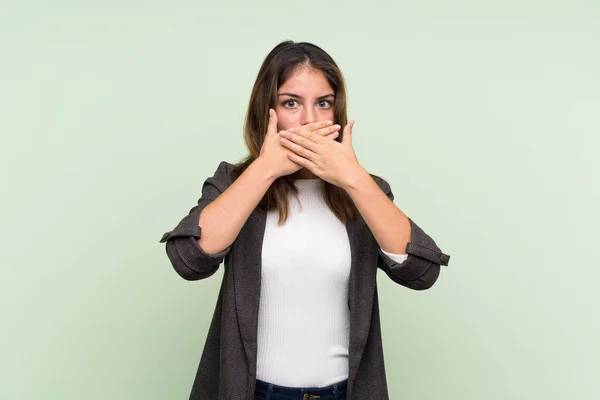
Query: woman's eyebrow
(299, 97)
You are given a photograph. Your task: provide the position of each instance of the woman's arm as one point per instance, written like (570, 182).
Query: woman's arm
(388, 223)
(197, 245)
(398, 234)
(223, 218)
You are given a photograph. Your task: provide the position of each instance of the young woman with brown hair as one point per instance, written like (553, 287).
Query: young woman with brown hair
(302, 228)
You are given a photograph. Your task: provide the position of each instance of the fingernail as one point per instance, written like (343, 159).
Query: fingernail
(329, 122)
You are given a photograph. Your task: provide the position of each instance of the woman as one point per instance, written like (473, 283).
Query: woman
(302, 228)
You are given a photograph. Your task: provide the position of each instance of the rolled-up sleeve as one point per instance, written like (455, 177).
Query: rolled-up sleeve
(419, 268)
(399, 258)
(189, 260)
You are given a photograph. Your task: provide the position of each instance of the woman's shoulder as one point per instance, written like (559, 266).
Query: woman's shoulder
(225, 167)
(222, 177)
(383, 184)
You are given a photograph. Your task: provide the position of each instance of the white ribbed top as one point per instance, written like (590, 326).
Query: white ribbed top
(303, 319)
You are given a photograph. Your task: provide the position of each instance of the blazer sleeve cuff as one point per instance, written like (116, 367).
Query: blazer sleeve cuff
(423, 246)
(398, 258)
(187, 227)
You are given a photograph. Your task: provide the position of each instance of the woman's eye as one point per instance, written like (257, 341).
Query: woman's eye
(324, 104)
(287, 103)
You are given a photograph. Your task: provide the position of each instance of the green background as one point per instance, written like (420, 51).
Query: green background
(483, 116)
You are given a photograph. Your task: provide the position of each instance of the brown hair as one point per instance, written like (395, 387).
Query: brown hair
(277, 68)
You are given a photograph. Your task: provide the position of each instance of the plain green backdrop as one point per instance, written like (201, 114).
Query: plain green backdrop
(483, 116)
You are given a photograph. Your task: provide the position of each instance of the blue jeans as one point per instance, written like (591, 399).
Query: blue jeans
(269, 391)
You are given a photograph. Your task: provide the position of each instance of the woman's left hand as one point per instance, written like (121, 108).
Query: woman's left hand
(332, 161)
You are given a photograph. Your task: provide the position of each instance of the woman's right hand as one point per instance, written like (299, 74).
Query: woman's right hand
(274, 155)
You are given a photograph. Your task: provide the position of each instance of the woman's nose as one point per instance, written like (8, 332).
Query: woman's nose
(308, 116)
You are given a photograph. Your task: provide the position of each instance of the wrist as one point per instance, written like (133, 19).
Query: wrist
(356, 179)
(264, 169)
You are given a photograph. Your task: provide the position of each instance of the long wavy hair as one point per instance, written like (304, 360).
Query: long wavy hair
(276, 69)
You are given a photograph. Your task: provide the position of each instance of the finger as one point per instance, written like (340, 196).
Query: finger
(301, 140)
(298, 134)
(272, 127)
(283, 133)
(297, 149)
(333, 135)
(309, 165)
(328, 130)
(317, 125)
(347, 137)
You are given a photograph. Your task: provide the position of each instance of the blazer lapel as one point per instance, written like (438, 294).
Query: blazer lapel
(361, 289)
(247, 280)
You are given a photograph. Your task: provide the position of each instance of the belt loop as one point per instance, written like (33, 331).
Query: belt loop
(335, 392)
(269, 391)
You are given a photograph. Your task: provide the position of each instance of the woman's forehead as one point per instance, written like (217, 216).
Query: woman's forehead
(307, 83)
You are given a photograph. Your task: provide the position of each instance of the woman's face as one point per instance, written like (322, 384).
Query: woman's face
(304, 98)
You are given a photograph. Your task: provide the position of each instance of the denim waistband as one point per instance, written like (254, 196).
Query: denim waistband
(335, 388)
